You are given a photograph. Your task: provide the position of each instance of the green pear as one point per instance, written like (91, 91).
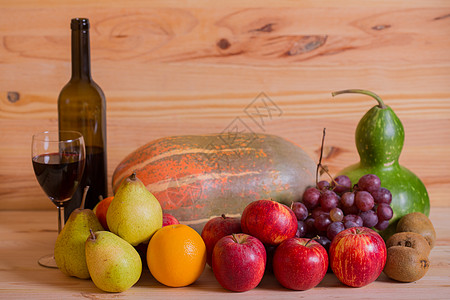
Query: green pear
(69, 246)
(134, 214)
(114, 265)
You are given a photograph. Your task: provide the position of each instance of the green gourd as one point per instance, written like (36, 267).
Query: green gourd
(379, 140)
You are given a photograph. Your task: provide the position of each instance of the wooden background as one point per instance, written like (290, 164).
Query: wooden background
(192, 67)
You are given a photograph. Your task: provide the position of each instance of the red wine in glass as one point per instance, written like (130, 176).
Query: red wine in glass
(58, 174)
(58, 159)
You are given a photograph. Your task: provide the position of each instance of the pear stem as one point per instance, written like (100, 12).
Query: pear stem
(133, 176)
(92, 235)
(365, 92)
(83, 200)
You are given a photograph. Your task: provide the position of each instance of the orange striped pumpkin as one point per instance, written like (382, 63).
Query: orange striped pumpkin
(199, 177)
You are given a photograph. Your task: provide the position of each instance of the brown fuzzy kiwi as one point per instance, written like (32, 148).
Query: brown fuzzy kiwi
(410, 239)
(405, 264)
(419, 223)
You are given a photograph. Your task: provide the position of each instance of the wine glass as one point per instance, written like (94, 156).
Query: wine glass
(58, 162)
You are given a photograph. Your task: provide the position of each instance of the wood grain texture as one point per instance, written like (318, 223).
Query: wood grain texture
(26, 236)
(188, 67)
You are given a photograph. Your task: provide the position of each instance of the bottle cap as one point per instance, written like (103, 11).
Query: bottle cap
(79, 24)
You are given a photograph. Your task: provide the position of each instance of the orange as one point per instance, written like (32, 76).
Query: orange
(176, 255)
(100, 211)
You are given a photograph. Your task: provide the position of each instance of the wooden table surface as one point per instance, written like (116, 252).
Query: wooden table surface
(25, 236)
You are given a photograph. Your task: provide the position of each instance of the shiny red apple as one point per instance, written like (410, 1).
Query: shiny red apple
(238, 262)
(300, 263)
(357, 256)
(217, 228)
(269, 221)
(168, 219)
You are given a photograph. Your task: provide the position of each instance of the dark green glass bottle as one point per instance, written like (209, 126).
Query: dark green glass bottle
(82, 107)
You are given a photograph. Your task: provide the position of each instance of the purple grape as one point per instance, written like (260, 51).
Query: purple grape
(384, 212)
(309, 227)
(352, 210)
(323, 185)
(311, 197)
(300, 210)
(321, 222)
(348, 199)
(382, 225)
(364, 200)
(341, 184)
(369, 183)
(383, 195)
(354, 218)
(328, 200)
(324, 241)
(318, 211)
(336, 214)
(350, 224)
(301, 229)
(369, 218)
(334, 228)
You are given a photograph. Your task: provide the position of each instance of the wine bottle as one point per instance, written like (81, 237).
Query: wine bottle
(82, 107)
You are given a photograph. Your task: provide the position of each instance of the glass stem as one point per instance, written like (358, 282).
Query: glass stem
(60, 218)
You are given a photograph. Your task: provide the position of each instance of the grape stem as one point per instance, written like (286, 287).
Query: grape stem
(322, 167)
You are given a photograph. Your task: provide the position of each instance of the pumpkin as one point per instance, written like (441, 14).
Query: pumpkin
(198, 177)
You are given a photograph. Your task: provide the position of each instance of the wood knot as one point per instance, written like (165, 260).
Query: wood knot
(223, 44)
(381, 27)
(13, 97)
(266, 28)
(307, 44)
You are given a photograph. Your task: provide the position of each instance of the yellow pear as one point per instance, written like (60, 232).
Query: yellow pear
(114, 265)
(134, 214)
(69, 247)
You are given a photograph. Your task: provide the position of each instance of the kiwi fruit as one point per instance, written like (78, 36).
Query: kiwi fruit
(419, 223)
(405, 264)
(410, 239)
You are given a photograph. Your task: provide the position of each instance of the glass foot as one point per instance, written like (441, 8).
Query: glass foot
(48, 261)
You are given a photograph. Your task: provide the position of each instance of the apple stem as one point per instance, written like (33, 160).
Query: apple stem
(314, 238)
(235, 238)
(223, 216)
(365, 92)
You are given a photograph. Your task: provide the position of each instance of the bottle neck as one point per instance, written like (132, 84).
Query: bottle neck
(81, 57)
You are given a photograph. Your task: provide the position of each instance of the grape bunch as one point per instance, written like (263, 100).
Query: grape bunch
(329, 208)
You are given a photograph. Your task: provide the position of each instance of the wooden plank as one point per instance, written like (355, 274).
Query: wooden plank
(173, 67)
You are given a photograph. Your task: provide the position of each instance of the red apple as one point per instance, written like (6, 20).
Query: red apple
(300, 264)
(269, 221)
(238, 262)
(168, 219)
(357, 256)
(217, 228)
